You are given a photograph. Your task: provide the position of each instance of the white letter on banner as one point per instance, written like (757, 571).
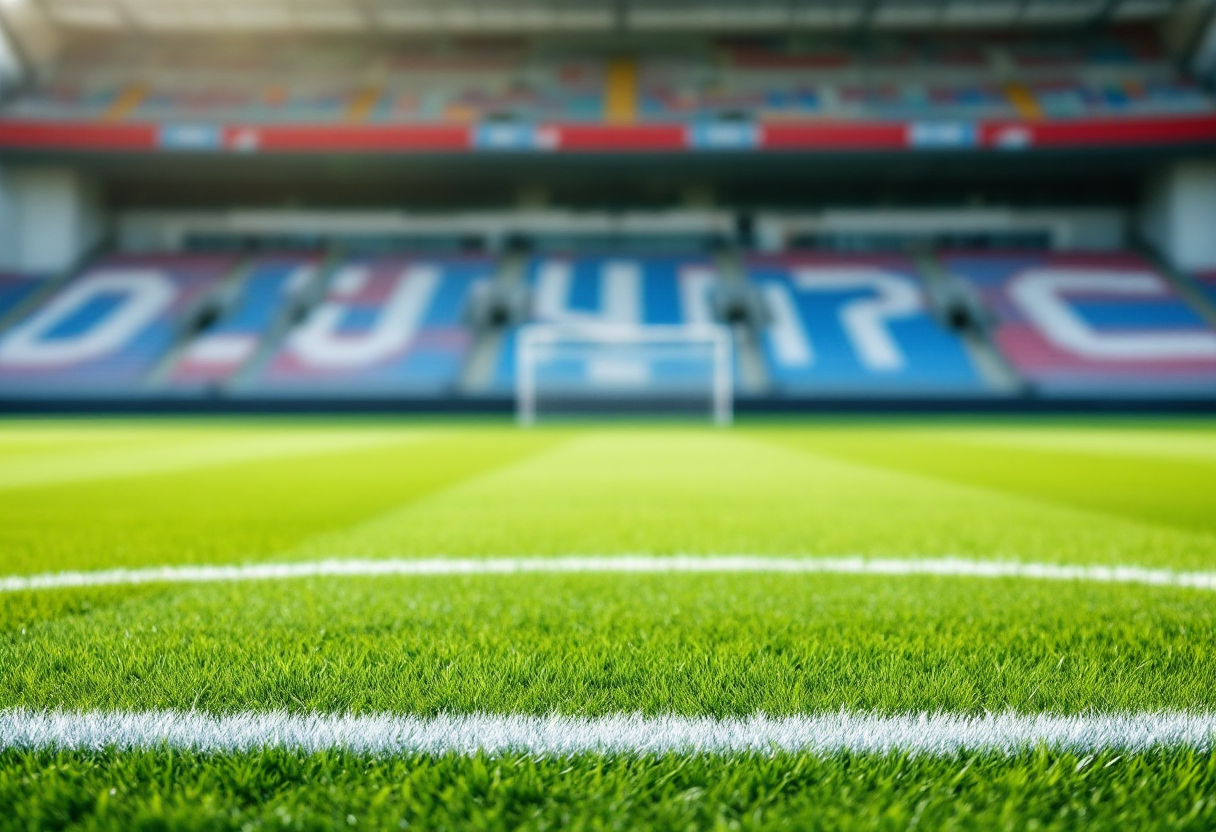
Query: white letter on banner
(144, 294)
(620, 294)
(791, 346)
(1039, 294)
(319, 342)
(865, 320)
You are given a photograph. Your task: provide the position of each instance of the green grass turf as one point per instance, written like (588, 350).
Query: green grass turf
(719, 645)
(274, 790)
(77, 495)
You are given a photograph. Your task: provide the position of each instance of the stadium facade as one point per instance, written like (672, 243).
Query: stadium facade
(363, 202)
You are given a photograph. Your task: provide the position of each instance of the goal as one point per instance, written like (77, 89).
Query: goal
(586, 370)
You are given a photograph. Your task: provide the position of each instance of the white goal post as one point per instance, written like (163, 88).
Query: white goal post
(597, 368)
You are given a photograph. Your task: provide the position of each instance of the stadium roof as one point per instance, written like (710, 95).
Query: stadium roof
(488, 16)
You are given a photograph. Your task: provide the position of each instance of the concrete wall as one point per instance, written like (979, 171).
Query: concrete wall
(49, 217)
(1179, 215)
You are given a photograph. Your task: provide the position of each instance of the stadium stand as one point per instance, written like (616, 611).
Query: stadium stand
(988, 80)
(856, 325)
(317, 85)
(105, 330)
(1080, 324)
(605, 290)
(387, 326)
(882, 206)
(262, 296)
(708, 80)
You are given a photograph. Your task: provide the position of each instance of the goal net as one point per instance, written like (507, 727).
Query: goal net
(586, 370)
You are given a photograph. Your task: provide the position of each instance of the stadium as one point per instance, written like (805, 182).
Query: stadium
(595, 414)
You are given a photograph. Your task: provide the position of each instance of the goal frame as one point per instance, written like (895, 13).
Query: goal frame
(716, 337)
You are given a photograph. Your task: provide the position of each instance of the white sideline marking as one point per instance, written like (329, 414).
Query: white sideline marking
(934, 734)
(851, 565)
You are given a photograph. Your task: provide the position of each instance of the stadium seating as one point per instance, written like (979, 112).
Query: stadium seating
(641, 291)
(388, 326)
(65, 100)
(106, 329)
(1207, 283)
(16, 289)
(264, 295)
(772, 80)
(1071, 99)
(856, 325)
(1078, 324)
(1042, 54)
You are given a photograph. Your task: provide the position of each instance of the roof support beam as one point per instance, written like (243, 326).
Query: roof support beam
(28, 31)
(12, 64)
(865, 23)
(620, 16)
(1106, 13)
(859, 17)
(1201, 57)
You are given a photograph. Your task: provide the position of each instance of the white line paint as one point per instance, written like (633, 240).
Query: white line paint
(935, 734)
(643, 564)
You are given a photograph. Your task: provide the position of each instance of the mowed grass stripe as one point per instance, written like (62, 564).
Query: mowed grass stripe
(611, 564)
(700, 491)
(247, 509)
(484, 490)
(1163, 476)
(171, 451)
(557, 736)
(1194, 445)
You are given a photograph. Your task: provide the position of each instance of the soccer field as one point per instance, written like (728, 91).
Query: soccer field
(380, 624)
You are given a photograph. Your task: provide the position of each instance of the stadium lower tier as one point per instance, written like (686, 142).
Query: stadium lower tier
(801, 324)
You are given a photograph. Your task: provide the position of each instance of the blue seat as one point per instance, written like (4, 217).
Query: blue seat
(109, 327)
(15, 289)
(1084, 324)
(265, 293)
(1207, 284)
(387, 326)
(856, 325)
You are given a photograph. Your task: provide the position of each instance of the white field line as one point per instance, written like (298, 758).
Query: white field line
(632, 564)
(934, 734)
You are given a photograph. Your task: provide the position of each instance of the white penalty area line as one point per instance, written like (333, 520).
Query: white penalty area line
(932, 734)
(613, 564)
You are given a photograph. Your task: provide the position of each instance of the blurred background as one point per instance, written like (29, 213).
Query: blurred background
(692, 205)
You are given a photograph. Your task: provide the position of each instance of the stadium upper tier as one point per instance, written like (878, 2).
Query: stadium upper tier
(409, 326)
(525, 94)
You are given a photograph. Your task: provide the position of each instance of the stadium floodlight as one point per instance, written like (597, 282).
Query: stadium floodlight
(595, 369)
